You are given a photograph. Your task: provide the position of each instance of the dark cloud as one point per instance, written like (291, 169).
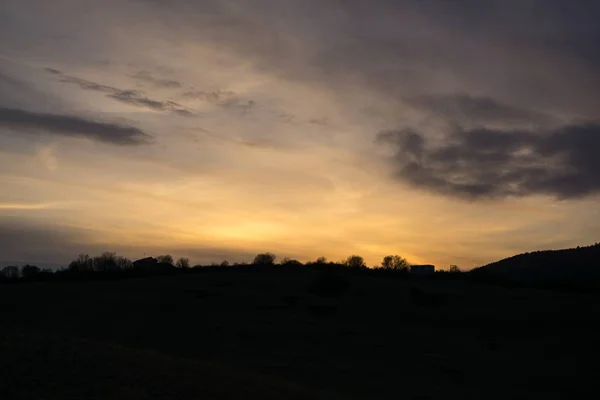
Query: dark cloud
(132, 97)
(542, 53)
(486, 163)
(146, 76)
(67, 125)
(471, 110)
(52, 71)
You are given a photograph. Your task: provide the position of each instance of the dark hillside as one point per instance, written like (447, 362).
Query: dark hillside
(578, 266)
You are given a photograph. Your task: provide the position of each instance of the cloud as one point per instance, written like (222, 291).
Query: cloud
(222, 98)
(66, 125)
(487, 163)
(465, 109)
(132, 97)
(52, 71)
(24, 206)
(218, 97)
(145, 76)
(137, 98)
(541, 52)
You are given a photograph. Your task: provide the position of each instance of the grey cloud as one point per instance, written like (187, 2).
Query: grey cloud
(540, 52)
(146, 76)
(472, 110)
(132, 97)
(486, 163)
(67, 125)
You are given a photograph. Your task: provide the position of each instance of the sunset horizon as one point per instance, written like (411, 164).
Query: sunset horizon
(446, 133)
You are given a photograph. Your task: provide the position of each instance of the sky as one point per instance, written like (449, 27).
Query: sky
(449, 132)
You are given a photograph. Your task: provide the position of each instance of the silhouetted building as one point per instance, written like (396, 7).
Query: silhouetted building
(146, 263)
(425, 269)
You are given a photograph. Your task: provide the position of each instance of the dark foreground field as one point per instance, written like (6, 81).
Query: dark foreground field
(296, 333)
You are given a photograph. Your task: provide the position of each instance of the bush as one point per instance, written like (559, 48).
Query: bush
(288, 262)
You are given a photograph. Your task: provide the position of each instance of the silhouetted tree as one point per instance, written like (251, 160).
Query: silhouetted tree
(106, 262)
(29, 271)
(81, 264)
(124, 262)
(289, 262)
(321, 260)
(265, 259)
(225, 263)
(355, 261)
(394, 263)
(10, 272)
(165, 259)
(183, 263)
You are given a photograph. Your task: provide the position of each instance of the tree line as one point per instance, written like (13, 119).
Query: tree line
(109, 263)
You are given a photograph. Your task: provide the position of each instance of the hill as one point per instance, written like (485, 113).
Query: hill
(576, 266)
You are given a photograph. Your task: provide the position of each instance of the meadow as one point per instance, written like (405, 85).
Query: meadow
(294, 332)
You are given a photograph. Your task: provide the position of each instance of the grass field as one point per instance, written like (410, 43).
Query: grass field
(285, 333)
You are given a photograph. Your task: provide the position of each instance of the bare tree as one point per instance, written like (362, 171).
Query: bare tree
(183, 263)
(265, 259)
(355, 261)
(82, 263)
(123, 262)
(395, 263)
(106, 262)
(225, 263)
(321, 260)
(165, 259)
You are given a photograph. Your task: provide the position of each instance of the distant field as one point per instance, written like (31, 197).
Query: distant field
(294, 333)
